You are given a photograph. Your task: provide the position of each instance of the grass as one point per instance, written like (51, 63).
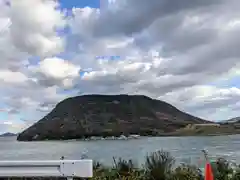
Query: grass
(158, 165)
(161, 165)
(205, 131)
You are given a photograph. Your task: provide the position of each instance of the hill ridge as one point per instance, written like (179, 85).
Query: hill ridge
(108, 115)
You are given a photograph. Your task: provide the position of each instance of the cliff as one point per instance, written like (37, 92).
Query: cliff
(108, 115)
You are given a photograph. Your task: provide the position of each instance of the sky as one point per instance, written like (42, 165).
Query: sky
(184, 53)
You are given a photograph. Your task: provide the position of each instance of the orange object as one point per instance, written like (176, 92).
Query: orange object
(208, 172)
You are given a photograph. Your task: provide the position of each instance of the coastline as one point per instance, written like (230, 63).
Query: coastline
(189, 130)
(122, 137)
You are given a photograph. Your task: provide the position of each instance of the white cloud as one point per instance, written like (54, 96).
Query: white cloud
(34, 25)
(12, 77)
(58, 68)
(180, 52)
(12, 126)
(55, 71)
(193, 46)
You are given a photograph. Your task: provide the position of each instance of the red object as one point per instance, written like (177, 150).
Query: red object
(208, 172)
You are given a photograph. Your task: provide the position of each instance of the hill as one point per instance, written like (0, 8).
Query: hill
(232, 120)
(8, 134)
(108, 115)
(207, 130)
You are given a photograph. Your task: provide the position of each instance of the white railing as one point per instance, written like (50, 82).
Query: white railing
(56, 168)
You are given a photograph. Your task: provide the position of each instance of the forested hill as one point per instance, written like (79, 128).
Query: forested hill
(108, 115)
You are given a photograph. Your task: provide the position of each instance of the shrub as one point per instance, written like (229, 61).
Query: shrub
(159, 165)
(187, 172)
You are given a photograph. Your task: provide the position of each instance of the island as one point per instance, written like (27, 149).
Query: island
(106, 116)
(7, 134)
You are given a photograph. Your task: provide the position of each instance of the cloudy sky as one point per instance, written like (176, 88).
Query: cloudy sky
(180, 51)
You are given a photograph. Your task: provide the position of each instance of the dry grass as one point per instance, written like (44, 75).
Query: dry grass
(160, 165)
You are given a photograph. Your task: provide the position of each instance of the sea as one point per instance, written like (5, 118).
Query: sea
(184, 149)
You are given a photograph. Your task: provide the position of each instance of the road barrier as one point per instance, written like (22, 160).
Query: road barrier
(55, 168)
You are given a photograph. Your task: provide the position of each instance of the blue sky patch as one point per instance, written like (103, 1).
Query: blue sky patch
(79, 3)
(233, 82)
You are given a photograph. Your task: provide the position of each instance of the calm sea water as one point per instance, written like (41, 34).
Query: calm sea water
(185, 149)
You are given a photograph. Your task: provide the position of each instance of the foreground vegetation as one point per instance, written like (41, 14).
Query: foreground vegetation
(159, 165)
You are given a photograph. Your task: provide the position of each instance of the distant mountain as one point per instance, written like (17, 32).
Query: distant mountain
(232, 120)
(7, 134)
(108, 115)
